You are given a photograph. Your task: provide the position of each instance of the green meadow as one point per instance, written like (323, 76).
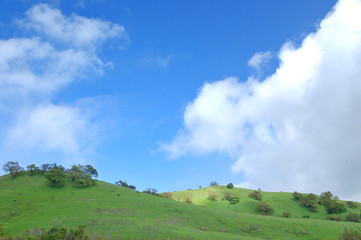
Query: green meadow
(113, 212)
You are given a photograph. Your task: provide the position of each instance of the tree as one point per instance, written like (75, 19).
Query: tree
(125, 184)
(212, 195)
(56, 176)
(256, 195)
(13, 167)
(32, 169)
(352, 217)
(44, 167)
(264, 209)
(230, 185)
(213, 184)
(81, 176)
(151, 191)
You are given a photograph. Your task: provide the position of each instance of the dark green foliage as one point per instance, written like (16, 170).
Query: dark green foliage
(297, 195)
(56, 176)
(256, 195)
(212, 196)
(352, 217)
(351, 204)
(350, 234)
(151, 191)
(45, 167)
(14, 168)
(56, 233)
(81, 176)
(32, 169)
(213, 184)
(125, 184)
(306, 216)
(334, 217)
(286, 214)
(234, 200)
(264, 209)
(230, 185)
(332, 206)
(309, 201)
(327, 195)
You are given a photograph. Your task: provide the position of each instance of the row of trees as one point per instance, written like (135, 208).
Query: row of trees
(80, 175)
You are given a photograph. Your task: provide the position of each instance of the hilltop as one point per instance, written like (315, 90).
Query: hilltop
(111, 211)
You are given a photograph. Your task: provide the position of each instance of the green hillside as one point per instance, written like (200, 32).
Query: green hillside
(114, 212)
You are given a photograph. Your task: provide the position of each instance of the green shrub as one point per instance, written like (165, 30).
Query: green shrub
(56, 176)
(332, 206)
(351, 234)
(334, 217)
(264, 209)
(212, 196)
(352, 217)
(351, 204)
(188, 199)
(56, 233)
(234, 200)
(286, 214)
(229, 185)
(297, 195)
(166, 195)
(1, 230)
(256, 195)
(227, 195)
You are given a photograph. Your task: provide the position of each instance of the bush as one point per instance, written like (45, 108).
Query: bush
(227, 196)
(56, 233)
(352, 217)
(212, 196)
(351, 204)
(351, 234)
(332, 206)
(188, 199)
(264, 209)
(56, 176)
(297, 195)
(334, 217)
(166, 195)
(13, 168)
(286, 214)
(1, 230)
(229, 185)
(256, 195)
(234, 200)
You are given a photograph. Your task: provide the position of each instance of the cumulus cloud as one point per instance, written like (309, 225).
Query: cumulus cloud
(298, 129)
(258, 59)
(77, 30)
(36, 66)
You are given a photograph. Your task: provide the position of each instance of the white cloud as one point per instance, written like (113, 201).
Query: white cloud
(77, 30)
(33, 68)
(51, 128)
(298, 129)
(157, 61)
(258, 59)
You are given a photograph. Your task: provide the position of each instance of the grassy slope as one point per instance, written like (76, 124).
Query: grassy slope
(26, 202)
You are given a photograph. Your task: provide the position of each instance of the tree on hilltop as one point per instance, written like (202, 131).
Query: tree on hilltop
(13, 167)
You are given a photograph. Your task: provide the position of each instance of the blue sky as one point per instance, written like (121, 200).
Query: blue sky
(137, 89)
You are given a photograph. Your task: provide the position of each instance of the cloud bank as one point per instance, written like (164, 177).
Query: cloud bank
(298, 129)
(55, 51)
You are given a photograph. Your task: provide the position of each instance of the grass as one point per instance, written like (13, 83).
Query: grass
(115, 212)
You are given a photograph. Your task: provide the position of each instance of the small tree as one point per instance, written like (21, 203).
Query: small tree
(351, 204)
(352, 217)
(56, 176)
(151, 191)
(14, 168)
(286, 214)
(32, 169)
(256, 195)
(229, 185)
(81, 176)
(212, 196)
(350, 234)
(44, 168)
(227, 195)
(264, 209)
(213, 184)
(334, 217)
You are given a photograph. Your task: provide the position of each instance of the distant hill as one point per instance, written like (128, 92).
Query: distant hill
(114, 212)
